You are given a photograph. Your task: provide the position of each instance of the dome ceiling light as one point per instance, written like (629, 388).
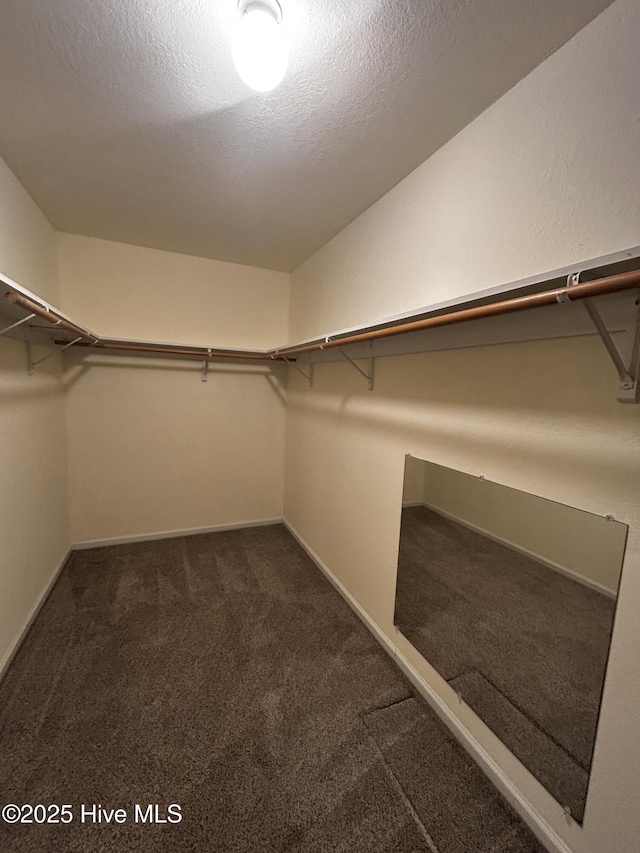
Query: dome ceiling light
(259, 46)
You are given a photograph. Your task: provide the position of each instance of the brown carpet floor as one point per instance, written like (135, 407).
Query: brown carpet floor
(223, 673)
(525, 646)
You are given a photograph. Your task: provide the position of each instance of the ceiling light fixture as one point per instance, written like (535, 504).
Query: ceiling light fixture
(259, 46)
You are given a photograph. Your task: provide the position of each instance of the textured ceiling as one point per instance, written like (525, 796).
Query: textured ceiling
(125, 119)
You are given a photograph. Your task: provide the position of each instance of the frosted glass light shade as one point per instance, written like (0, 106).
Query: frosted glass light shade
(259, 50)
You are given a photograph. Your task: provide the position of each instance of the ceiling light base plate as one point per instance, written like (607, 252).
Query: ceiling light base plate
(271, 7)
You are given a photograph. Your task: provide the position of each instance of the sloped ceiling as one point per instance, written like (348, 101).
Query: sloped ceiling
(126, 120)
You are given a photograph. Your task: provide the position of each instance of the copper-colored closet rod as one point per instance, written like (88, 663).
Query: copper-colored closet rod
(49, 315)
(567, 293)
(200, 352)
(572, 293)
(93, 341)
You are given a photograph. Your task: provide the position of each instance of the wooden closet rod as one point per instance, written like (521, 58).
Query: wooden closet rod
(567, 293)
(93, 341)
(49, 315)
(200, 352)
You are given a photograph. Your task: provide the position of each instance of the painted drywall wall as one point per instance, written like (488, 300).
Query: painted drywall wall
(119, 290)
(589, 548)
(413, 485)
(548, 175)
(34, 531)
(152, 448)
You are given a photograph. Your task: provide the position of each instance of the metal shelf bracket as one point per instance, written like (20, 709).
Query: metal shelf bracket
(628, 376)
(307, 376)
(32, 364)
(16, 324)
(368, 376)
(204, 375)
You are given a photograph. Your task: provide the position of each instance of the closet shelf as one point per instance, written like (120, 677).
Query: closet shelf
(547, 301)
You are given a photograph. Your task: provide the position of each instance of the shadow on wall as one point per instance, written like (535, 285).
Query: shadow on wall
(516, 400)
(78, 364)
(15, 382)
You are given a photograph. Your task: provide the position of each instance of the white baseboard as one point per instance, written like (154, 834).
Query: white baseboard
(22, 633)
(534, 820)
(171, 534)
(549, 564)
(530, 815)
(377, 632)
(98, 543)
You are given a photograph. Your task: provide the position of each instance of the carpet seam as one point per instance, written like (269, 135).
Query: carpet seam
(369, 711)
(403, 794)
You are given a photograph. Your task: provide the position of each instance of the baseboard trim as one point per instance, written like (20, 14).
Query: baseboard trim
(171, 534)
(377, 632)
(534, 820)
(99, 543)
(22, 633)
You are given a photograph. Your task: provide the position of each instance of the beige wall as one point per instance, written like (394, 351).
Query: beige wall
(533, 184)
(33, 487)
(151, 448)
(118, 290)
(588, 547)
(413, 484)
(549, 174)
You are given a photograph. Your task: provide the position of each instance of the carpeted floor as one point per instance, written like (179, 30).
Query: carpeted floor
(525, 646)
(223, 673)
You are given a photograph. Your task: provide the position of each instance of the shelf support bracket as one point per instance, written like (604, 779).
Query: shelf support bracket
(204, 375)
(307, 376)
(628, 376)
(32, 364)
(17, 323)
(368, 376)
